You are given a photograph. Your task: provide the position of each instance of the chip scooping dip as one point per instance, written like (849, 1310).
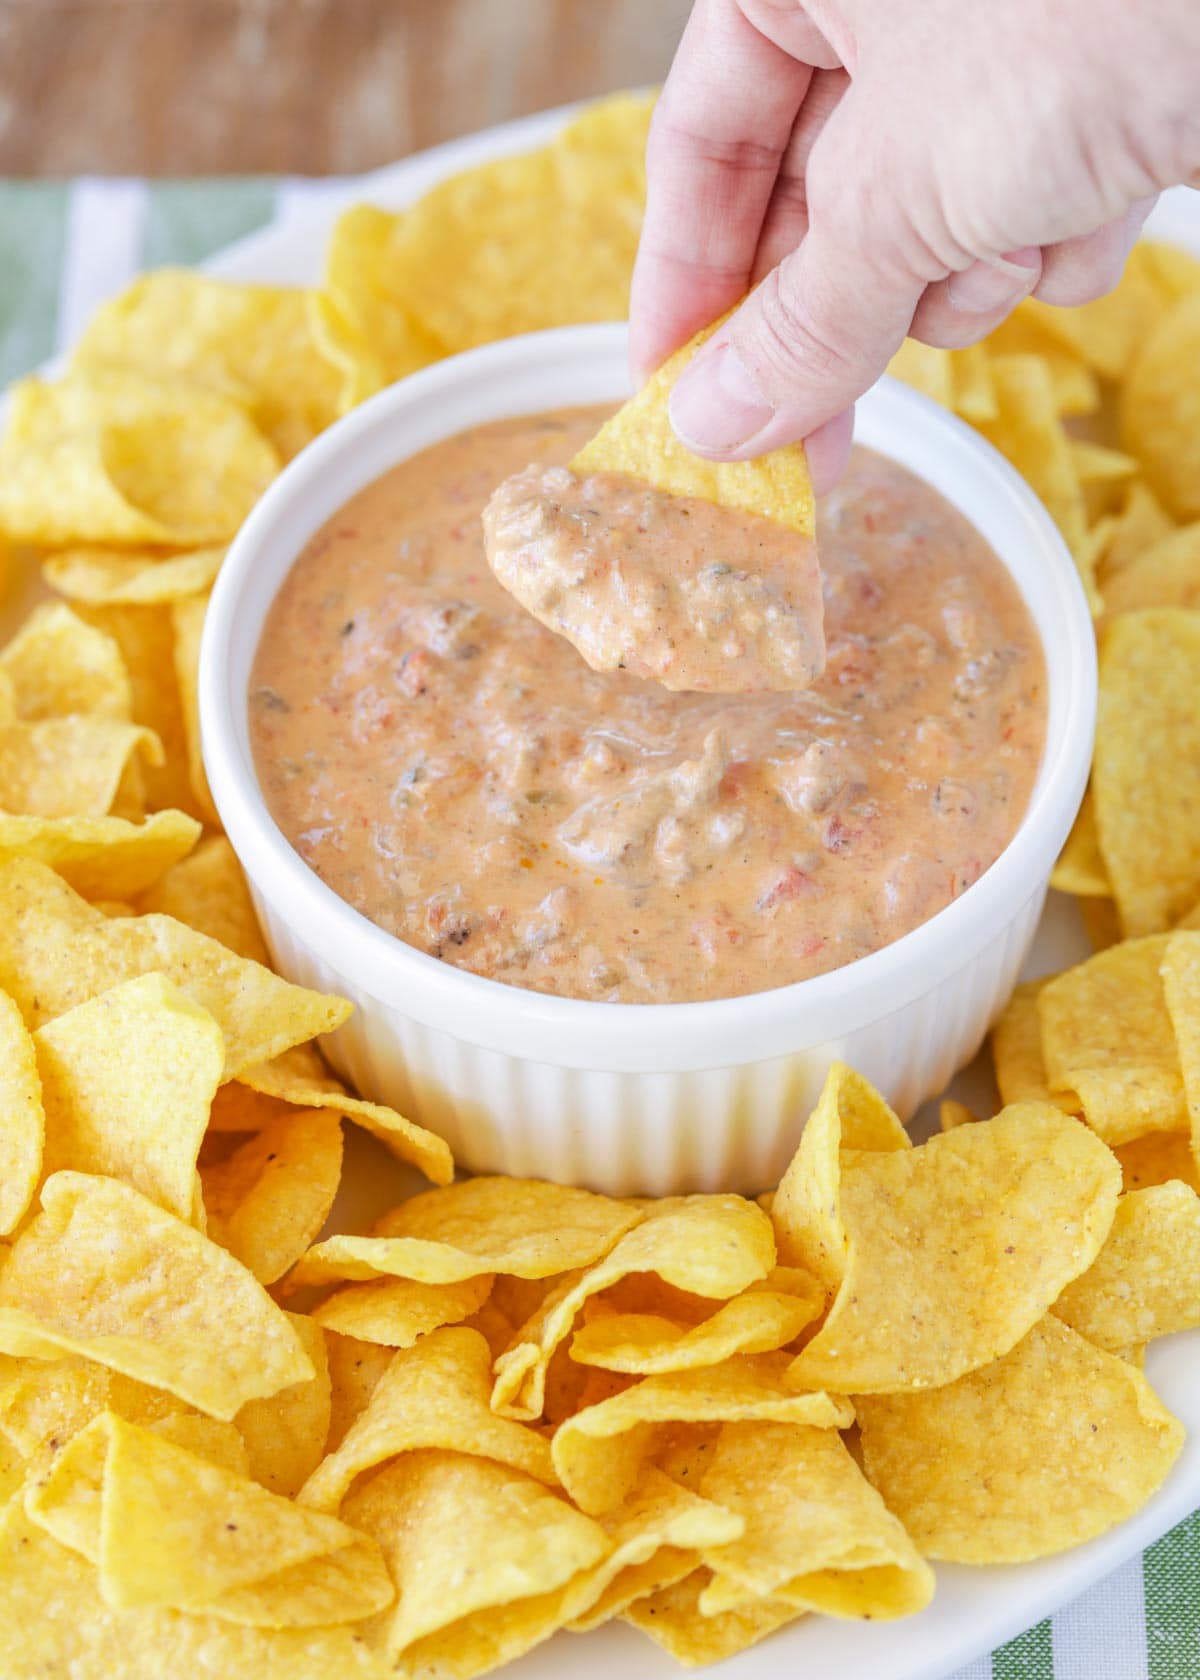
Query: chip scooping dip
(695, 574)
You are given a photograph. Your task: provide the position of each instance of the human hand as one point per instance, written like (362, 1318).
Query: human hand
(876, 169)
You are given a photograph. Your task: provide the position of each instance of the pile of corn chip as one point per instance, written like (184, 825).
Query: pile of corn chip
(230, 1445)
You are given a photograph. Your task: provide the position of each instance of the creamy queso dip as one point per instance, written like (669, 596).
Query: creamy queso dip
(455, 770)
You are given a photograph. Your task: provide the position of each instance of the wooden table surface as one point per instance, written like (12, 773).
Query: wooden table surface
(306, 87)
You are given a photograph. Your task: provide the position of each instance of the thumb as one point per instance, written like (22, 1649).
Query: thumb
(814, 335)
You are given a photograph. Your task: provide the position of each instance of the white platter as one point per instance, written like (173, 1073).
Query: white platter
(975, 1610)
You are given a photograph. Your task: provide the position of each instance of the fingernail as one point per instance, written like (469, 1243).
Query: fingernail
(716, 406)
(987, 286)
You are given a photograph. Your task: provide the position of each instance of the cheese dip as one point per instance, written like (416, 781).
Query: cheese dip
(456, 772)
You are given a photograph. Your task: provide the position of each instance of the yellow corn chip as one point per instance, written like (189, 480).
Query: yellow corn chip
(952, 1113)
(714, 1246)
(285, 1433)
(1107, 1041)
(1160, 408)
(1017, 1049)
(974, 390)
(169, 1528)
(187, 622)
(1156, 1158)
(1102, 924)
(102, 578)
(519, 1226)
(808, 1225)
(476, 1549)
(599, 1453)
(1048, 1447)
(645, 1344)
(127, 1079)
(1142, 522)
(56, 951)
(22, 1118)
(73, 766)
(817, 1535)
(1172, 271)
(434, 1394)
(267, 1202)
(250, 343)
(1166, 574)
(122, 458)
(1027, 430)
(58, 665)
(207, 891)
(1146, 771)
(926, 368)
(1080, 868)
(656, 1534)
(397, 1311)
(674, 1620)
(147, 645)
(957, 1248)
(103, 857)
(640, 442)
(1076, 388)
(50, 1401)
(176, 1312)
(1145, 1282)
(1107, 333)
(360, 320)
(299, 1077)
(74, 1630)
(355, 1371)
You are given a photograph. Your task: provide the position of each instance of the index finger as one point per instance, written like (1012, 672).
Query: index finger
(720, 129)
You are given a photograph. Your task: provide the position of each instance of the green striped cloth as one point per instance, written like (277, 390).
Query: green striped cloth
(63, 249)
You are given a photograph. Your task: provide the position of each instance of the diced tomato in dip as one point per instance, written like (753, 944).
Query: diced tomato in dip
(458, 773)
(691, 595)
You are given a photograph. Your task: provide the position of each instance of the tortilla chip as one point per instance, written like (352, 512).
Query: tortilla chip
(1160, 408)
(1027, 430)
(123, 458)
(49, 1401)
(355, 1371)
(926, 368)
(56, 951)
(170, 1529)
(396, 1312)
(187, 622)
(1166, 574)
(518, 1226)
(817, 1535)
(74, 1630)
(599, 1453)
(1076, 388)
(480, 1554)
(147, 645)
(1146, 771)
(127, 1080)
(1048, 1447)
(952, 1114)
(1142, 522)
(1017, 1049)
(1156, 1158)
(269, 1199)
(22, 1118)
(714, 1246)
(300, 1078)
(1101, 923)
(957, 1248)
(1108, 1042)
(1145, 1282)
(673, 1619)
(207, 891)
(434, 1394)
(359, 319)
(250, 343)
(1080, 868)
(758, 1321)
(640, 442)
(59, 665)
(808, 1225)
(102, 578)
(103, 857)
(1107, 333)
(177, 1312)
(285, 1433)
(73, 767)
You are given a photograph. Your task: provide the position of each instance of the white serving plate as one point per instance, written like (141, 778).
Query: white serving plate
(975, 1610)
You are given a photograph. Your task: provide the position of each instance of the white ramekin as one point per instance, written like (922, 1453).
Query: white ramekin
(648, 1098)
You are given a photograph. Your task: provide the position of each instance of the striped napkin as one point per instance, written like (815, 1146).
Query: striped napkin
(64, 248)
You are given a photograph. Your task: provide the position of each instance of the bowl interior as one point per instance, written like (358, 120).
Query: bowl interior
(570, 367)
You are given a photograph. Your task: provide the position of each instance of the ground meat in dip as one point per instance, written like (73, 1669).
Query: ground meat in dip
(460, 775)
(694, 596)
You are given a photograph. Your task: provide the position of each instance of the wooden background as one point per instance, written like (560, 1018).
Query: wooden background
(306, 87)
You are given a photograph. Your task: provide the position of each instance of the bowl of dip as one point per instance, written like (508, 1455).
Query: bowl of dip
(596, 931)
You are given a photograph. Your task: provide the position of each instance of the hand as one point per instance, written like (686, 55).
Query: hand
(882, 167)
